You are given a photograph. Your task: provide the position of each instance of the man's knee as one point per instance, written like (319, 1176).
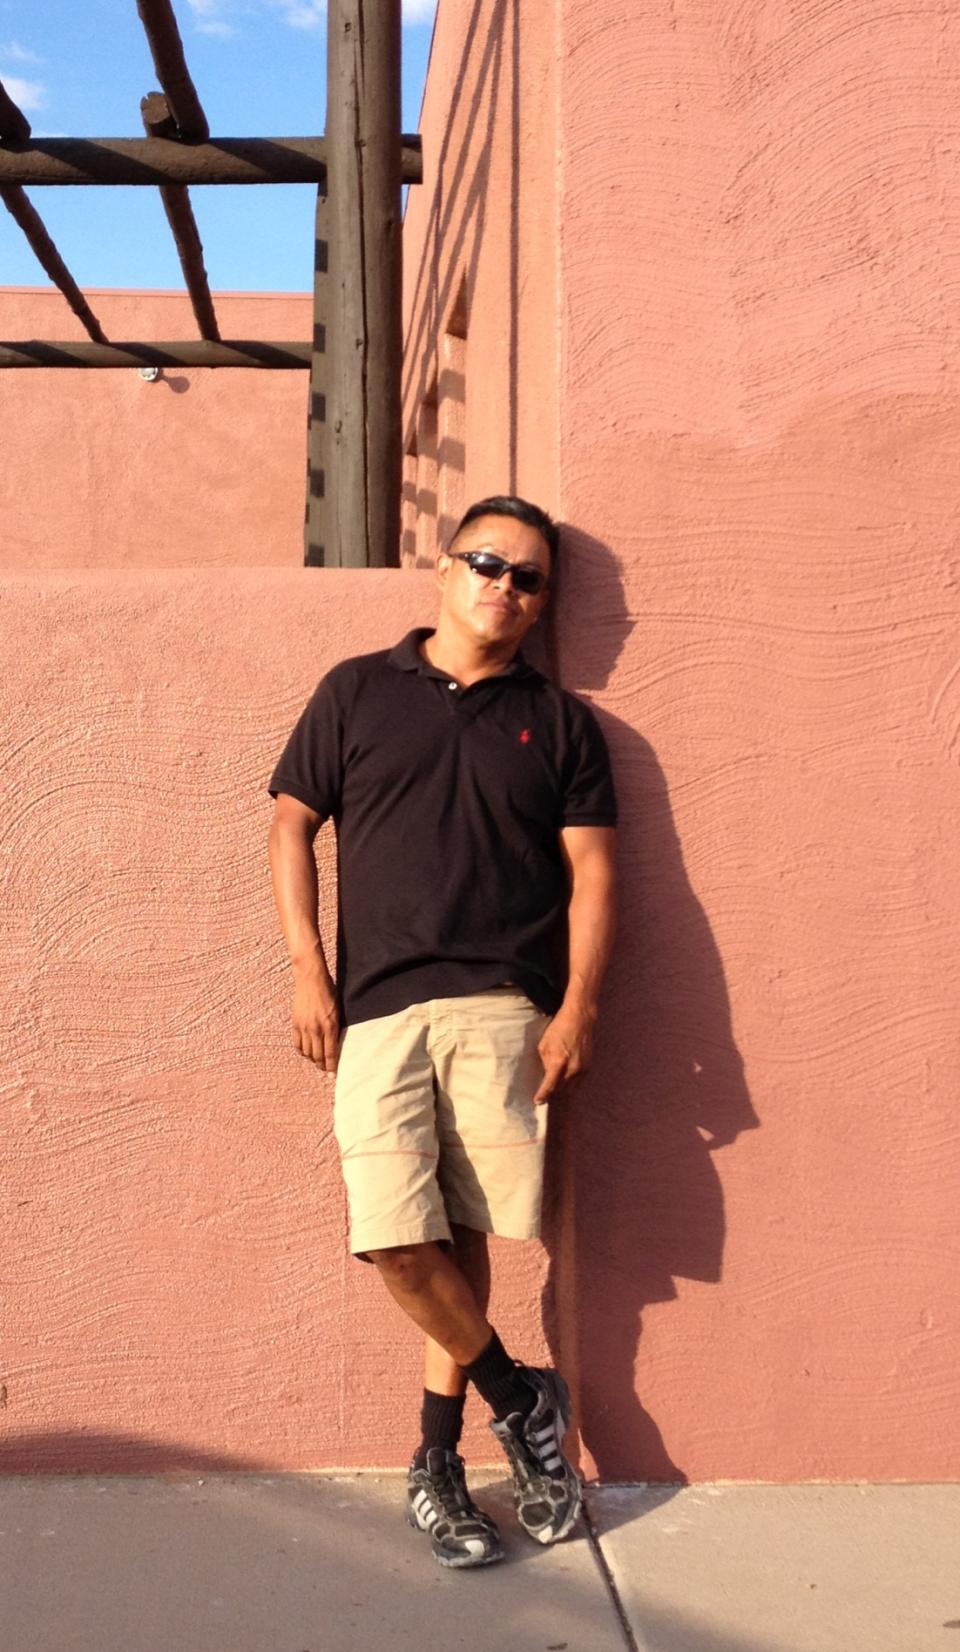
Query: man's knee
(406, 1266)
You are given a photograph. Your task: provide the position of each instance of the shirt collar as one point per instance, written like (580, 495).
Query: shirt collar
(407, 657)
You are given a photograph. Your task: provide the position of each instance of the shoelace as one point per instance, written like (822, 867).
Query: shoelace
(452, 1492)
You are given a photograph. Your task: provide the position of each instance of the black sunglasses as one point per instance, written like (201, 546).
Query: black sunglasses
(490, 566)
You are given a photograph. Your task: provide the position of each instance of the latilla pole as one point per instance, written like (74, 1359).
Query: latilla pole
(363, 288)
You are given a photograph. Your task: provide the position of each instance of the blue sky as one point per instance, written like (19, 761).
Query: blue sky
(80, 70)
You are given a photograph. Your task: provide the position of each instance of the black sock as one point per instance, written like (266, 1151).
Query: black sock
(441, 1424)
(500, 1381)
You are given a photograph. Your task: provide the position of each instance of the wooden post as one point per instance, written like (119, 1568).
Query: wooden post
(364, 326)
(315, 527)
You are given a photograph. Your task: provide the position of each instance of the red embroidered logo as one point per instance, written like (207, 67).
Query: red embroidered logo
(524, 737)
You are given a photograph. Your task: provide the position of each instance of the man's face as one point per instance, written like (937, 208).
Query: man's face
(493, 610)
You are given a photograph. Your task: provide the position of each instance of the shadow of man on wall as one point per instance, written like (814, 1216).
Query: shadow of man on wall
(632, 1160)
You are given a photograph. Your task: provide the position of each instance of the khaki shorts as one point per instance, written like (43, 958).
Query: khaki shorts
(434, 1117)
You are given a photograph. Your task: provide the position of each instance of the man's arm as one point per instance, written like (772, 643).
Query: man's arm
(293, 866)
(567, 1044)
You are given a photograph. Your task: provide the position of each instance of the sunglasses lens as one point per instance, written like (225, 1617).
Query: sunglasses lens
(488, 566)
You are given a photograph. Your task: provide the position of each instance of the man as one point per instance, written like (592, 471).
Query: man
(475, 821)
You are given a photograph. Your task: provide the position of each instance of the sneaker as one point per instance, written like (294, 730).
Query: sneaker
(546, 1485)
(438, 1502)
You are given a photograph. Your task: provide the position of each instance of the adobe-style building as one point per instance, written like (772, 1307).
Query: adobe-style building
(683, 273)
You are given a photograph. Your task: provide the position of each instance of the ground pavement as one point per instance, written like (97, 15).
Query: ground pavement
(324, 1563)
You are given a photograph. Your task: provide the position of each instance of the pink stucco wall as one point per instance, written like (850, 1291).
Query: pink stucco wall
(177, 1287)
(181, 1291)
(198, 469)
(737, 225)
(481, 241)
(682, 272)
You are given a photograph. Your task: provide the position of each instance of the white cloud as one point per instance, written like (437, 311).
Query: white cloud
(210, 16)
(12, 52)
(301, 14)
(208, 19)
(27, 94)
(307, 14)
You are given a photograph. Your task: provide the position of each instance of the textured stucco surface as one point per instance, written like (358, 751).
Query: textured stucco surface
(199, 469)
(759, 432)
(480, 256)
(756, 359)
(709, 266)
(177, 1287)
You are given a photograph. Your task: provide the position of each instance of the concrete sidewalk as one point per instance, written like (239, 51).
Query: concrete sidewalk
(325, 1563)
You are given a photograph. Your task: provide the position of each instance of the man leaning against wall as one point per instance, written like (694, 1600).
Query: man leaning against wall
(475, 815)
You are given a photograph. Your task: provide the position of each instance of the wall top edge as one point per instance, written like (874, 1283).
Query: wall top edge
(125, 579)
(158, 292)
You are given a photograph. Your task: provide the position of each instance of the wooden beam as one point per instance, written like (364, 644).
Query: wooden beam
(26, 215)
(315, 527)
(228, 352)
(364, 334)
(166, 49)
(152, 161)
(157, 118)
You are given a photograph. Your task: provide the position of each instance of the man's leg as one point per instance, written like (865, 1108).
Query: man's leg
(491, 1138)
(441, 1373)
(444, 1382)
(433, 1291)
(530, 1406)
(438, 1501)
(436, 1063)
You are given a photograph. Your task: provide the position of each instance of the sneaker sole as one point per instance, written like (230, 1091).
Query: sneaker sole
(466, 1563)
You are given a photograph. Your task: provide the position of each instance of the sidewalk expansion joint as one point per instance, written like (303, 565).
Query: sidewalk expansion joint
(593, 1538)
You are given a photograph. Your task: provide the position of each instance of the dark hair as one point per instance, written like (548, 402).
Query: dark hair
(507, 504)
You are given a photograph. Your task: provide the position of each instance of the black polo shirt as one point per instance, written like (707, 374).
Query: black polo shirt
(448, 804)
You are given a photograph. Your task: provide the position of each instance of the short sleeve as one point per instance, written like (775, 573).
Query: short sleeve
(311, 764)
(589, 798)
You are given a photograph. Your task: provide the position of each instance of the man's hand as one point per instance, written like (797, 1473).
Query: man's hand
(316, 1023)
(567, 1044)
(565, 1048)
(293, 867)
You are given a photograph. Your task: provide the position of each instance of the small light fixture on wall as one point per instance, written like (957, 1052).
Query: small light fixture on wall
(150, 374)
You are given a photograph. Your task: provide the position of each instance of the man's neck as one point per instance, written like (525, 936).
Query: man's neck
(463, 658)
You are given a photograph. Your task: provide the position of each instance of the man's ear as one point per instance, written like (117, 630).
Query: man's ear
(442, 568)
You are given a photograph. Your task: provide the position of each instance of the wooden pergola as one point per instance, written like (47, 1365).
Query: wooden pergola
(354, 357)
